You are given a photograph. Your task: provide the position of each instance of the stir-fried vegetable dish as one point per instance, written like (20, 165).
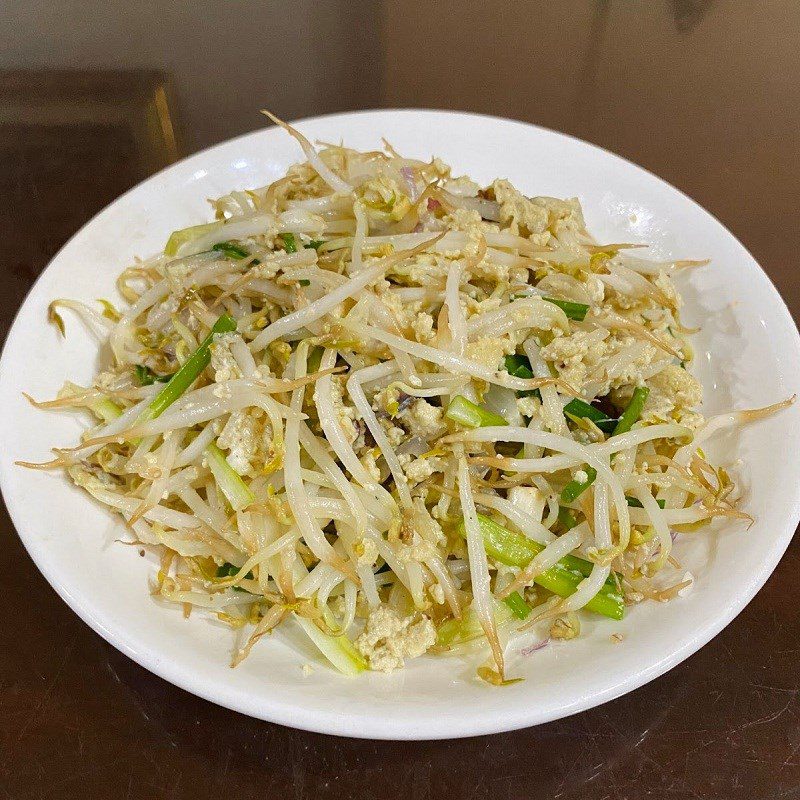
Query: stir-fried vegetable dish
(402, 412)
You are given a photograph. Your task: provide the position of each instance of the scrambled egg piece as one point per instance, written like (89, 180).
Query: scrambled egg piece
(529, 406)
(589, 356)
(269, 266)
(463, 219)
(470, 221)
(681, 388)
(490, 351)
(404, 314)
(423, 419)
(429, 269)
(421, 468)
(439, 168)
(470, 306)
(418, 549)
(394, 434)
(423, 327)
(240, 438)
(674, 393)
(371, 466)
(386, 399)
(596, 289)
(562, 215)
(436, 591)
(418, 470)
(222, 361)
(521, 215)
(384, 199)
(530, 499)
(389, 639)
(366, 551)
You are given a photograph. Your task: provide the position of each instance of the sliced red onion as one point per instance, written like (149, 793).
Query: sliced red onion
(526, 651)
(408, 176)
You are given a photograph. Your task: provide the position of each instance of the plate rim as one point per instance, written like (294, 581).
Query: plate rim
(319, 720)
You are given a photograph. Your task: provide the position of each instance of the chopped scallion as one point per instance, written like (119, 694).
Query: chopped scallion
(459, 631)
(180, 237)
(339, 650)
(576, 311)
(575, 488)
(578, 408)
(519, 608)
(105, 409)
(236, 491)
(566, 519)
(633, 411)
(231, 250)
(467, 413)
(520, 367)
(516, 550)
(634, 502)
(314, 359)
(228, 570)
(189, 372)
(146, 377)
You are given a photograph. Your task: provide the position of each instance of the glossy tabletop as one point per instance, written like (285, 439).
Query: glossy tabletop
(703, 93)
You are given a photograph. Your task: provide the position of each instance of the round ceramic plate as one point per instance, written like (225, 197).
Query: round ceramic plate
(748, 354)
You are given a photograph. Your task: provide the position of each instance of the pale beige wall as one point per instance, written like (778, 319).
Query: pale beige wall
(630, 75)
(590, 64)
(228, 58)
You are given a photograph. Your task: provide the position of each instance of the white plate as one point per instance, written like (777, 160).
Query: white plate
(745, 325)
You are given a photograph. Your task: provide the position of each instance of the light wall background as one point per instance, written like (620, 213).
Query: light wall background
(226, 58)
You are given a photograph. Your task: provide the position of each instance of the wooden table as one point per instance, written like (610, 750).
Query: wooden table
(704, 94)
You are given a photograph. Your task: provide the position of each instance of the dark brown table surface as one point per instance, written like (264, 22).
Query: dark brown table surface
(703, 93)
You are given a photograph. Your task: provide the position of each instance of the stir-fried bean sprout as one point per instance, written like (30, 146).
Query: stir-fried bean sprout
(404, 410)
